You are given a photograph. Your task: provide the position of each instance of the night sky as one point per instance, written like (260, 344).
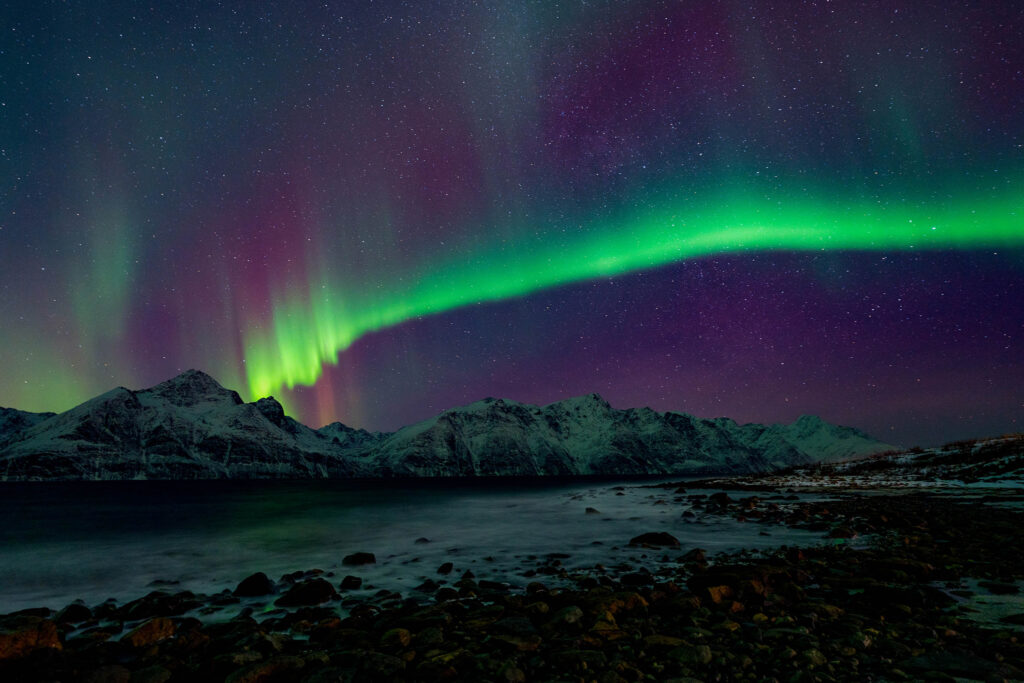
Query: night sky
(376, 211)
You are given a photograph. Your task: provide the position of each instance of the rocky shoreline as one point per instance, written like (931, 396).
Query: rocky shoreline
(902, 588)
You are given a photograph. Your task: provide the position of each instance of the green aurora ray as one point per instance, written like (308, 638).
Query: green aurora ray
(309, 329)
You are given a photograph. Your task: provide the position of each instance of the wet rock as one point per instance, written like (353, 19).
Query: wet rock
(269, 669)
(428, 586)
(814, 658)
(308, 592)
(715, 589)
(696, 555)
(660, 641)
(379, 667)
(446, 593)
(422, 540)
(151, 674)
(357, 559)
(350, 583)
(152, 631)
(396, 638)
(159, 604)
(637, 579)
(567, 616)
(515, 625)
(592, 511)
(510, 673)
(694, 655)
(428, 637)
(720, 499)
(519, 643)
(580, 659)
(537, 609)
(254, 585)
(74, 613)
(655, 538)
(20, 635)
(112, 673)
(446, 568)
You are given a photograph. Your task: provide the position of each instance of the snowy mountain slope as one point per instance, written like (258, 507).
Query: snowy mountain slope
(191, 427)
(811, 436)
(585, 435)
(14, 421)
(347, 437)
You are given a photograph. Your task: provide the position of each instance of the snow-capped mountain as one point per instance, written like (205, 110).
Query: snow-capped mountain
(13, 421)
(585, 435)
(191, 427)
(783, 444)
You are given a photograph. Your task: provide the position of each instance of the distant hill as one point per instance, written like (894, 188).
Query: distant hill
(190, 427)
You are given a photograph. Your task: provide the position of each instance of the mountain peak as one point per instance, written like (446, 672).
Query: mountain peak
(272, 410)
(586, 400)
(192, 387)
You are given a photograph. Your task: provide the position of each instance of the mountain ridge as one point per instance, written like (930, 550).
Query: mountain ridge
(191, 427)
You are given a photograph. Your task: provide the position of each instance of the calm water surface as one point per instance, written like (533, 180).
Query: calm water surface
(60, 542)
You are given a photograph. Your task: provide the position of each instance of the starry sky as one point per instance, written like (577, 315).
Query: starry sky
(375, 211)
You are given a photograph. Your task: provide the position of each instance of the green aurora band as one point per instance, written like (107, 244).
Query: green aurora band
(308, 331)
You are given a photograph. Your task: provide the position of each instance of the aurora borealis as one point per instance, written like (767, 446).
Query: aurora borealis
(376, 211)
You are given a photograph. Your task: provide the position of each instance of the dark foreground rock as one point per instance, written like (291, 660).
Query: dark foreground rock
(887, 610)
(309, 592)
(356, 559)
(254, 585)
(655, 538)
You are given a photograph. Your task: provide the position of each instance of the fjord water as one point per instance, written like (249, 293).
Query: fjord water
(97, 540)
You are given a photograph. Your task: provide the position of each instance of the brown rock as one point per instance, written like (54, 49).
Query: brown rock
(259, 672)
(396, 638)
(718, 593)
(152, 631)
(695, 555)
(568, 616)
(510, 673)
(520, 643)
(20, 635)
(662, 641)
(814, 658)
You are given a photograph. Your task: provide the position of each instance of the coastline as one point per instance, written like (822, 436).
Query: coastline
(906, 585)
